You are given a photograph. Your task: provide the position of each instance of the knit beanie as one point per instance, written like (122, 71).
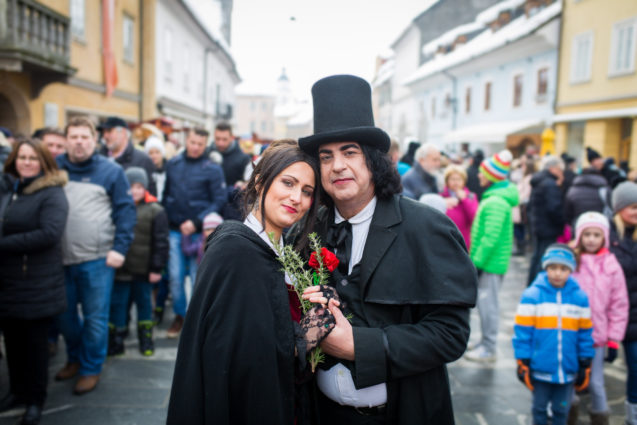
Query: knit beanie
(591, 219)
(435, 201)
(212, 221)
(624, 194)
(592, 154)
(496, 168)
(137, 175)
(153, 142)
(558, 253)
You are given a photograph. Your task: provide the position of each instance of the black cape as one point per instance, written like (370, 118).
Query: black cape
(235, 363)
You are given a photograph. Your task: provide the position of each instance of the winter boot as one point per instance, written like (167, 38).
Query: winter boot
(158, 312)
(631, 413)
(599, 418)
(573, 413)
(145, 336)
(115, 340)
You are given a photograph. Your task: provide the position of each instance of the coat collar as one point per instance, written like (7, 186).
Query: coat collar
(57, 178)
(380, 236)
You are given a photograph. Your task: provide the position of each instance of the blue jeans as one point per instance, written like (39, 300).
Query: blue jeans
(630, 349)
(559, 395)
(89, 284)
(178, 264)
(139, 291)
(162, 290)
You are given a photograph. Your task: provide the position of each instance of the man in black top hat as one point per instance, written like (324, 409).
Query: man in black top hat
(404, 275)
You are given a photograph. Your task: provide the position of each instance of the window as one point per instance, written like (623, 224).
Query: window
(168, 52)
(253, 105)
(487, 96)
(433, 107)
(517, 90)
(264, 107)
(542, 81)
(187, 64)
(581, 57)
(264, 126)
(622, 54)
(78, 18)
(467, 100)
(128, 35)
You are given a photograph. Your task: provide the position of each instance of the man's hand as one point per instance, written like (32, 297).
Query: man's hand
(154, 277)
(114, 259)
(340, 342)
(187, 228)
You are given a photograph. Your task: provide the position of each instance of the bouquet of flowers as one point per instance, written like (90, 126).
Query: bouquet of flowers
(322, 262)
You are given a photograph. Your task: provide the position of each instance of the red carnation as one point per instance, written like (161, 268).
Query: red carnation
(329, 260)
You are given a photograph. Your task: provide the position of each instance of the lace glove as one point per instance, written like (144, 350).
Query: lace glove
(611, 351)
(330, 293)
(524, 373)
(314, 326)
(583, 375)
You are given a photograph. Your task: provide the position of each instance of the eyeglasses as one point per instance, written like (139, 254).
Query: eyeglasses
(28, 158)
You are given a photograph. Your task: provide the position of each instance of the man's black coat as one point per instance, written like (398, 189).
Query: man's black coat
(417, 285)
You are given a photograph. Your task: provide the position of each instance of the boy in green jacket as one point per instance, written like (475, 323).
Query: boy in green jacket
(491, 246)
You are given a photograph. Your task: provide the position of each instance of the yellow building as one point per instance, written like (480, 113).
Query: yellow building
(52, 66)
(597, 83)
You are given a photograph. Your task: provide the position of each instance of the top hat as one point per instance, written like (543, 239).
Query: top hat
(343, 113)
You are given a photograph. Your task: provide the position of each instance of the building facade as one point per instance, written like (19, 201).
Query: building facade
(597, 82)
(61, 58)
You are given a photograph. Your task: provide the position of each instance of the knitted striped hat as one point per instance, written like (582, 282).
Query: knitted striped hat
(558, 253)
(497, 167)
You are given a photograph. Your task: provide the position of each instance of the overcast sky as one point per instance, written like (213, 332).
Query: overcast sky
(314, 38)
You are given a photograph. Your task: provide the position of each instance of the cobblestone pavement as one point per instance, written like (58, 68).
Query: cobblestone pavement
(134, 390)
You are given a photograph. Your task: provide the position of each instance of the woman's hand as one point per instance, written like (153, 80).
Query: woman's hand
(316, 324)
(321, 294)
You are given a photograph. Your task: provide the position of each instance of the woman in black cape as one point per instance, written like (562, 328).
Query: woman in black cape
(237, 357)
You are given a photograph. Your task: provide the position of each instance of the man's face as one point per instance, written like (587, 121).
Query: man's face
(557, 171)
(195, 145)
(55, 144)
(223, 140)
(80, 143)
(431, 162)
(597, 163)
(557, 274)
(115, 138)
(344, 173)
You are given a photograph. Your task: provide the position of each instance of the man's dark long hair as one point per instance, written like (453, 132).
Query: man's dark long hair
(384, 175)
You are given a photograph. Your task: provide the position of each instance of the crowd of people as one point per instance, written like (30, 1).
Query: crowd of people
(93, 219)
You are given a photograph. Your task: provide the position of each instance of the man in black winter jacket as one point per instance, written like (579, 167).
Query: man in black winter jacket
(546, 209)
(119, 147)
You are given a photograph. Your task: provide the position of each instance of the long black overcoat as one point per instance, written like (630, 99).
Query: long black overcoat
(417, 284)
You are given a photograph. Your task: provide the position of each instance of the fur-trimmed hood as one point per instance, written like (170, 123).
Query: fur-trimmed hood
(57, 178)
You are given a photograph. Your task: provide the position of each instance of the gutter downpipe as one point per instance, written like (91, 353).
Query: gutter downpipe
(141, 60)
(454, 97)
(205, 81)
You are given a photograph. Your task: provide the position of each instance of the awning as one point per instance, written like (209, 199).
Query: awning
(495, 132)
(596, 115)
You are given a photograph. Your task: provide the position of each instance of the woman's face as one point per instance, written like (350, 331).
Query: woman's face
(289, 197)
(629, 215)
(27, 162)
(156, 157)
(455, 182)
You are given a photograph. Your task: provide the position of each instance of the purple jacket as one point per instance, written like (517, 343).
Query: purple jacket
(602, 278)
(463, 213)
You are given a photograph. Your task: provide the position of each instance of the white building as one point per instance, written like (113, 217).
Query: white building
(195, 73)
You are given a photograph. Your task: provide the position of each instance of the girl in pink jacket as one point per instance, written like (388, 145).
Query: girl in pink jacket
(600, 275)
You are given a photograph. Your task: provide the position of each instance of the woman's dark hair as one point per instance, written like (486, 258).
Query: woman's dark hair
(276, 158)
(47, 163)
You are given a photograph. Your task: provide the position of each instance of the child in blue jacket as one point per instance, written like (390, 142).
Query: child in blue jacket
(553, 341)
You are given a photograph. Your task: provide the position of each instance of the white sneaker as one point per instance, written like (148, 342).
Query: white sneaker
(480, 354)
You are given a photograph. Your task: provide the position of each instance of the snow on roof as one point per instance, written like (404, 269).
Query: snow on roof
(493, 132)
(450, 36)
(487, 41)
(408, 26)
(385, 72)
(492, 13)
(209, 16)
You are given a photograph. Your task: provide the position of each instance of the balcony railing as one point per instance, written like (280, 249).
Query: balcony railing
(35, 35)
